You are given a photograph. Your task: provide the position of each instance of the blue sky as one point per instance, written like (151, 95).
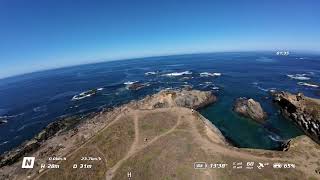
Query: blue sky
(44, 34)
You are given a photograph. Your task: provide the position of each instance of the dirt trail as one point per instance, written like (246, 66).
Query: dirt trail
(136, 147)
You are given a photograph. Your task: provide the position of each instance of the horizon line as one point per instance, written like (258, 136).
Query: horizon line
(105, 60)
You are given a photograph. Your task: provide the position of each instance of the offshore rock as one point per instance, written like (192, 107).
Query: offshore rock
(250, 108)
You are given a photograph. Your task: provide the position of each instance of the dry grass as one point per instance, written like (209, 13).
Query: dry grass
(110, 145)
(171, 157)
(155, 124)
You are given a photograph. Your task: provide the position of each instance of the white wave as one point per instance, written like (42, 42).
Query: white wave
(77, 97)
(215, 88)
(308, 84)
(29, 124)
(186, 78)
(40, 108)
(84, 94)
(3, 143)
(150, 73)
(272, 90)
(178, 73)
(106, 94)
(262, 89)
(256, 84)
(71, 107)
(11, 116)
(174, 65)
(3, 121)
(130, 82)
(62, 95)
(301, 77)
(207, 74)
(100, 89)
(275, 138)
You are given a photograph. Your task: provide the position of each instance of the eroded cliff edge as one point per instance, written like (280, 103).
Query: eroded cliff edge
(302, 110)
(159, 137)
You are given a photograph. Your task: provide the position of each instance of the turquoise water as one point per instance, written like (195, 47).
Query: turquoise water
(31, 101)
(243, 132)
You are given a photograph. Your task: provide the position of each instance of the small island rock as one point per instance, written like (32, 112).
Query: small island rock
(250, 108)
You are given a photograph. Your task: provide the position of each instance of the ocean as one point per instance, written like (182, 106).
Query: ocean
(30, 102)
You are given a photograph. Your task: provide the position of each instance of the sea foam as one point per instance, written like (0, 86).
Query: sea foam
(308, 84)
(150, 73)
(207, 74)
(178, 73)
(130, 82)
(301, 77)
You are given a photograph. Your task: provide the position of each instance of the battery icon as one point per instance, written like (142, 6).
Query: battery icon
(200, 165)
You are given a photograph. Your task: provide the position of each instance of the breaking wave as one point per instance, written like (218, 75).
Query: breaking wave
(178, 73)
(302, 77)
(150, 73)
(40, 108)
(275, 137)
(130, 82)
(308, 84)
(207, 74)
(256, 84)
(3, 143)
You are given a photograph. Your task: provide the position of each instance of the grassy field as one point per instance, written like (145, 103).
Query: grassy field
(110, 145)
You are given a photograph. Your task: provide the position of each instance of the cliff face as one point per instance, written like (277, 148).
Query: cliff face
(303, 111)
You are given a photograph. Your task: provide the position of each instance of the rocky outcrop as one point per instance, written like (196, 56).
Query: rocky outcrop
(193, 99)
(250, 108)
(52, 129)
(136, 86)
(302, 110)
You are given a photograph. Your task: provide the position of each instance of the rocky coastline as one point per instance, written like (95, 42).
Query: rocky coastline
(182, 98)
(187, 131)
(29, 146)
(302, 110)
(306, 119)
